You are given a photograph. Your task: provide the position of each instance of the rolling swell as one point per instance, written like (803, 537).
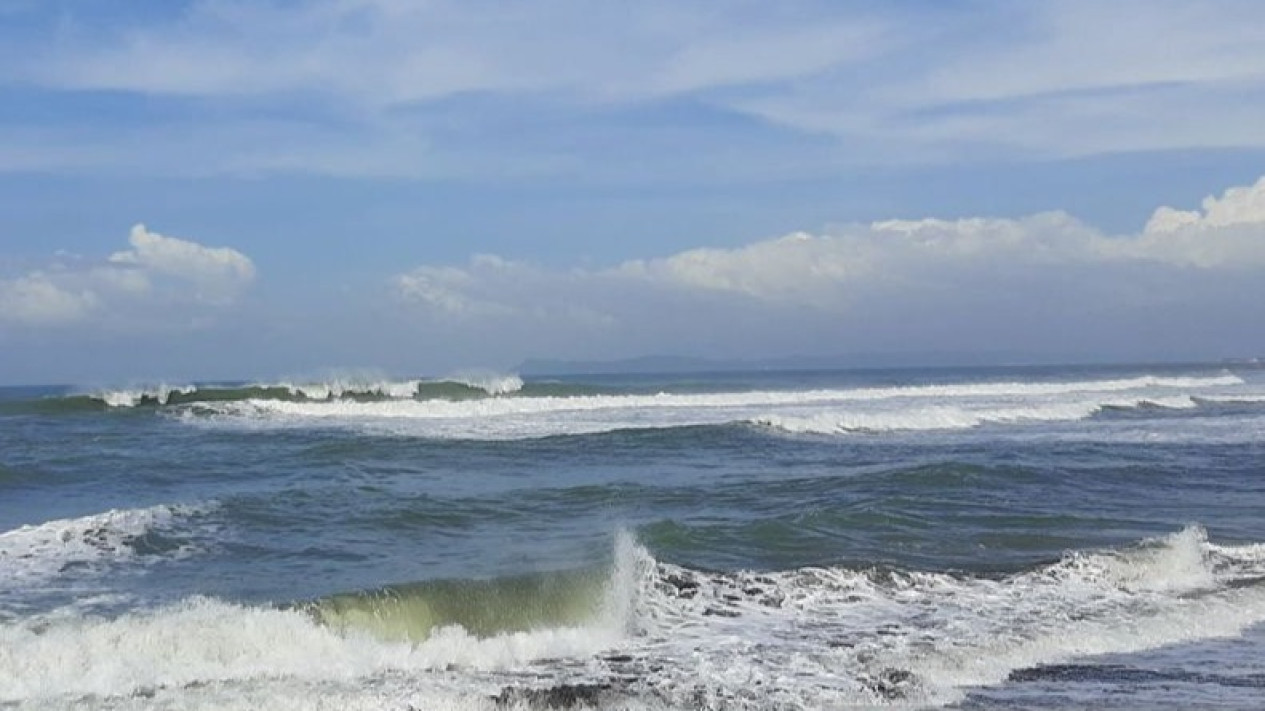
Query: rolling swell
(52, 405)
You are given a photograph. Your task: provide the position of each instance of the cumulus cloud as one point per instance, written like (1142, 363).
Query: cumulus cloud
(945, 277)
(158, 274)
(1243, 205)
(1228, 232)
(216, 272)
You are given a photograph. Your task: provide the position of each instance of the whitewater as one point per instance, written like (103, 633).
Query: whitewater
(1057, 537)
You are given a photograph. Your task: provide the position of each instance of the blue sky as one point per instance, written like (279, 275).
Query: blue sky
(230, 189)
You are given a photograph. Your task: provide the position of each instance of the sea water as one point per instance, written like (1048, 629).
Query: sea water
(1053, 538)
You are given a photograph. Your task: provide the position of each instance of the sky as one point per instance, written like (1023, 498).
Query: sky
(223, 189)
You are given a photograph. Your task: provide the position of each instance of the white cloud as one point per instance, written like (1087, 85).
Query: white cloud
(1238, 206)
(377, 54)
(757, 55)
(1228, 232)
(217, 273)
(1041, 80)
(1038, 282)
(444, 290)
(366, 85)
(1082, 46)
(792, 268)
(492, 289)
(821, 270)
(158, 279)
(37, 299)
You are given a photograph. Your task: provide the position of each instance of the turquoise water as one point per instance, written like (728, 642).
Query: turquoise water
(1007, 538)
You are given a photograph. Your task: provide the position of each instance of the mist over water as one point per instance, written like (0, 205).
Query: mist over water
(1007, 538)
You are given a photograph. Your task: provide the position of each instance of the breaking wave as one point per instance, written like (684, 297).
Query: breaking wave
(490, 383)
(647, 633)
(462, 387)
(527, 414)
(478, 386)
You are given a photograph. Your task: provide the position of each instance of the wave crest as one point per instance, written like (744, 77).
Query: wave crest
(820, 411)
(323, 390)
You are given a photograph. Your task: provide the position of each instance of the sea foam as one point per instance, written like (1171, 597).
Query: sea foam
(34, 553)
(203, 642)
(131, 397)
(865, 637)
(825, 411)
(668, 637)
(314, 390)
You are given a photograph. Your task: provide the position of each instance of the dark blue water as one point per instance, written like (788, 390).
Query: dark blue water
(1006, 538)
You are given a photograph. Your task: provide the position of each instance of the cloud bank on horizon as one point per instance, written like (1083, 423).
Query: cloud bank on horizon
(1021, 281)
(982, 282)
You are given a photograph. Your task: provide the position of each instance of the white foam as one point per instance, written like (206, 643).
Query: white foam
(320, 389)
(829, 637)
(491, 383)
(36, 552)
(1030, 389)
(131, 397)
(812, 638)
(959, 417)
(1245, 399)
(927, 418)
(814, 411)
(351, 386)
(205, 640)
(254, 651)
(335, 388)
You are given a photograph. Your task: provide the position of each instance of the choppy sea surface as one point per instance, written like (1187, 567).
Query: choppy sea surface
(1010, 538)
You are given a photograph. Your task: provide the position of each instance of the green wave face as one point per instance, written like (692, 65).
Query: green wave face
(483, 608)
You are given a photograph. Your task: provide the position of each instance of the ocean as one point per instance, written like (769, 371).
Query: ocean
(988, 538)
